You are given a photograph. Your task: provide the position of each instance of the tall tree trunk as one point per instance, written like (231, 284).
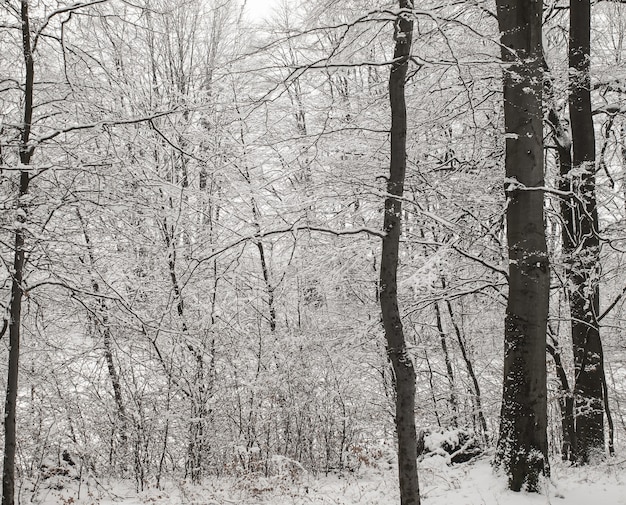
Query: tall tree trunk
(396, 343)
(522, 445)
(583, 257)
(15, 309)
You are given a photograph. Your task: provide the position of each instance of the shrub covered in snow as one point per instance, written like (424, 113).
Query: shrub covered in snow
(457, 445)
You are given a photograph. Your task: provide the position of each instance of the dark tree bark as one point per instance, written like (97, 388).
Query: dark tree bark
(396, 343)
(17, 290)
(582, 251)
(522, 448)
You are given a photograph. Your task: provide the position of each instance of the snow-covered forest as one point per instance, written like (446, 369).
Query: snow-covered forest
(285, 259)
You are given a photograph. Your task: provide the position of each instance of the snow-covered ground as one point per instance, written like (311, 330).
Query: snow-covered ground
(472, 483)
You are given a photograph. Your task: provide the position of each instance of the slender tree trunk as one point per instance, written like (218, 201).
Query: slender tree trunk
(454, 404)
(522, 445)
(107, 338)
(431, 383)
(566, 404)
(25, 154)
(10, 406)
(583, 260)
(609, 416)
(256, 221)
(392, 321)
(271, 305)
(15, 309)
(570, 210)
(470, 371)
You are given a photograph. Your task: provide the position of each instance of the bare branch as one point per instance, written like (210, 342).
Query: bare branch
(102, 124)
(291, 229)
(612, 305)
(484, 263)
(68, 8)
(615, 108)
(5, 325)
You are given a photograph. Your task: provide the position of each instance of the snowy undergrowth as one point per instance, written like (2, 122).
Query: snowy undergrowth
(472, 483)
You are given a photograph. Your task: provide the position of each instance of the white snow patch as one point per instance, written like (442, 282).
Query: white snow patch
(472, 483)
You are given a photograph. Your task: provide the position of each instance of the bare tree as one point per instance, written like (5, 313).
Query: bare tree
(17, 288)
(522, 445)
(396, 343)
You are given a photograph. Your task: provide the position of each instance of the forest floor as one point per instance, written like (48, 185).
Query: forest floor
(472, 483)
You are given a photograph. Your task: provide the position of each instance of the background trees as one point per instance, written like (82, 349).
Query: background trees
(203, 235)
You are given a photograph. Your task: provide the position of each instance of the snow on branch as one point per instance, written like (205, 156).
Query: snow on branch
(62, 10)
(512, 184)
(295, 228)
(484, 263)
(102, 124)
(612, 109)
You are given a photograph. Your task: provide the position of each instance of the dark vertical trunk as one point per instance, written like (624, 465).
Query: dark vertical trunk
(566, 404)
(573, 212)
(431, 383)
(522, 445)
(583, 260)
(271, 306)
(449, 372)
(563, 141)
(256, 221)
(609, 416)
(10, 406)
(396, 344)
(15, 309)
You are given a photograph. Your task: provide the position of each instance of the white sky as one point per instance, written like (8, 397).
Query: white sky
(260, 9)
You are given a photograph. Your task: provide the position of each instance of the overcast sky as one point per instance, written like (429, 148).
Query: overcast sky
(258, 9)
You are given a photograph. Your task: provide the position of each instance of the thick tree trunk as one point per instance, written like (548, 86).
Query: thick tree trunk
(522, 445)
(583, 256)
(392, 321)
(26, 152)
